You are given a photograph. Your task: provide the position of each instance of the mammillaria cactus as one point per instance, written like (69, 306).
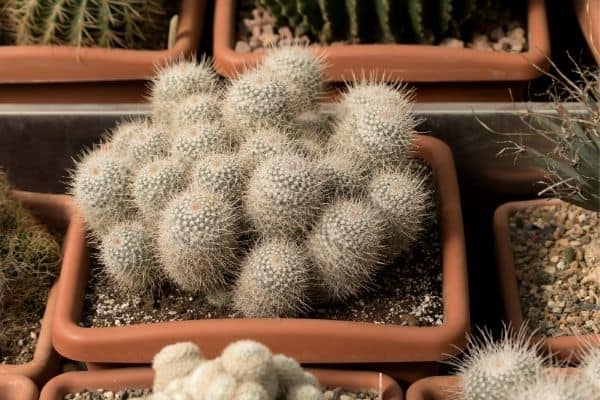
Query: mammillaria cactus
(590, 367)
(366, 92)
(251, 391)
(403, 200)
(257, 99)
(223, 173)
(120, 137)
(200, 139)
(300, 71)
(343, 174)
(196, 108)
(274, 281)
(222, 387)
(202, 375)
(155, 184)
(290, 374)
(107, 23)
(101, 185)
(305, 392)
(174, 362)
(263, 143)
(347, 246)
(127, 252)
(552, 385)
(146, 145)
(197, 240)
(247, 360)
(284, 195)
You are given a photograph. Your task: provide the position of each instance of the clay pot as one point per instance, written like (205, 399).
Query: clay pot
(421, 64)
(115, 380)
(310, 341)
(54, 210)
(17, 387)
(588, 14)
(564, 347)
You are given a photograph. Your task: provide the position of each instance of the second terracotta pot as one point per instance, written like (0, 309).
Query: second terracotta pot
(17, 387)
(311, 341)
(140, 378)
(565, 347)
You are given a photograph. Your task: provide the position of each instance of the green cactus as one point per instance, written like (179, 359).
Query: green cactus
(100, 23)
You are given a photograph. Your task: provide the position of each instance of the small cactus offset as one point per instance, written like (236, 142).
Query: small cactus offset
(199, 140)
(106, 23)
(223, 173)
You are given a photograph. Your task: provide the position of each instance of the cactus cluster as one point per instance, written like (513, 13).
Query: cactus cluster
(106, 23)
(250, 192)
(386, 21)
(28, 252)
(245, 370)
(513, 368)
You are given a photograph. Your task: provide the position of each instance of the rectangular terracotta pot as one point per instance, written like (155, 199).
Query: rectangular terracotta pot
(53, 210)
(311, 341)
(567, 347)
(404, 62)
(588, 14)
(17, 387)
(138, 378)
(37, 64)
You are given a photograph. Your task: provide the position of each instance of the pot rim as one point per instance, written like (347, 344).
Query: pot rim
(17, 387)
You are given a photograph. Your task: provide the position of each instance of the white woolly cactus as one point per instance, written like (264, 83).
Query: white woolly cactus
(257, 99)
(202, 375)
(127, 253)
(494, 370)
(223, 173)
(364, 92)
(196, 108)
(174, 362)
(553, 386)
(222, 387)
(290, 374)
(300, 71)
(404, 200)
(155, 184)
(347, 247)
(590, 366)
(197, 240)
(274, 281)
(379, 134)
(120, 137)
(343, 174)
(101, 185)
(251, 391)
(147, 144)
(284, 195)
(247, 360)
(263, 143)
(305, 392)
(198, 140)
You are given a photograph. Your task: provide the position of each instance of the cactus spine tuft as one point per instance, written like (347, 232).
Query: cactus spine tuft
(222, 173)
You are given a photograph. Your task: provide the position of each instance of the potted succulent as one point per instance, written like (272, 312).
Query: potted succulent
(332, 213)
(547, 250)
(588, 14)
(29, 260)
(511, 368)
(403, 50)
(17, 387)
(246, 369)
(115, 41)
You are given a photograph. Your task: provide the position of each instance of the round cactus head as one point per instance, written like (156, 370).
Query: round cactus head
(284, 195)
(199, 140)
(202, 375)
(156, 184)
(101, 188)
(553, 385)
(343, 174)
(290, 374)
(379, 134)
(247, 360)
(347, 247)
(365, 92)
(274, 281)
(404, 200)
(257, 99)
(195, 109)
(121, 136)
(127, 253)
(184, 78)
(174, 362)
(590, 366)
(223, 173)
(147, 144)
(493, 370)
(251, 391)
(222, 387)
(301, 71)
(305, 392)
(197, 240)
(263, 143)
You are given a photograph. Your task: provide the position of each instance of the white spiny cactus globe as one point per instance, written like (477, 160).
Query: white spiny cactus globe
(198, 140)
(174, 362)
(305, 392)
(263, 143)
(251, 391)
(290, 373)
(590, 366)
(223, 173)
(247, 360)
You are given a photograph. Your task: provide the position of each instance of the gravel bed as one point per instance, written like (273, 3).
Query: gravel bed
(128, 394)
(557, 259)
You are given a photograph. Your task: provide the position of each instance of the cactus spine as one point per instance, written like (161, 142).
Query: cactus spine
(222, 173)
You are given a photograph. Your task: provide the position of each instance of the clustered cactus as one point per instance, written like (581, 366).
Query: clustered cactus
(512, 368)
(250, 192)
(105, 23)
(245, 370)
(387, 21)
(28, 252)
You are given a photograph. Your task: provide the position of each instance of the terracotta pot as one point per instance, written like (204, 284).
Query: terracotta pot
(588, 14)
(124, 378)
(565, 347)
(17, 387)
(54, 210)
(445, 387)
(308, 340)
(409, 63)
(28, 64)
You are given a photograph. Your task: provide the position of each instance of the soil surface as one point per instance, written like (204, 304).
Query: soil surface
(557, 259)
(130, 394)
